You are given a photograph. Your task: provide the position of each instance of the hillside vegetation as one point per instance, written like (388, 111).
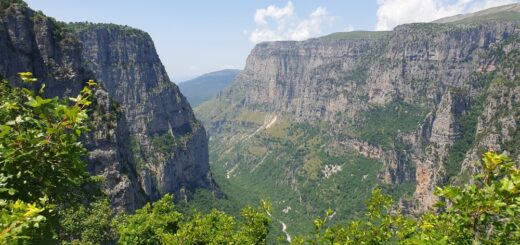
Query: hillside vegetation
(46, 195)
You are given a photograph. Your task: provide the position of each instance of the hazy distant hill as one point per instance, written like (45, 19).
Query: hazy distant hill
(203, 88)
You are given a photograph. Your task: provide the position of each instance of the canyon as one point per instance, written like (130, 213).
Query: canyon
(308, 125)
(404, 110)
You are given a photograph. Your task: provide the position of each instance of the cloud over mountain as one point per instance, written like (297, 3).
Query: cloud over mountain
(391, 13)
(274, 23)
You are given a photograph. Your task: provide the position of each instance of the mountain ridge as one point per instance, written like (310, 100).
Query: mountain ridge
(206, 86)
(505, 12)
(215, 73)
(508, 12)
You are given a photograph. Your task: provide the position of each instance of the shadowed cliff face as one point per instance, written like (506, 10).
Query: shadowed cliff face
(169, 143)
(145, 140)
(408, 99)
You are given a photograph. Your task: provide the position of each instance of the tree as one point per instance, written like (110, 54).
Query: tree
(88, 224)
(487, 211)
(149, 223)
(17, 217)
(41, 157)
(159, 223)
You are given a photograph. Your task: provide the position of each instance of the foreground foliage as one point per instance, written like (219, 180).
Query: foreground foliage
(17, 217)
(41, 158)
(160, 223)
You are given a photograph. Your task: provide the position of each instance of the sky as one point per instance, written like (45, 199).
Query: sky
(194, 37)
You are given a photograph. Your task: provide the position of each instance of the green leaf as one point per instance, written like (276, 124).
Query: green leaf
(4, 130)
(42, 89)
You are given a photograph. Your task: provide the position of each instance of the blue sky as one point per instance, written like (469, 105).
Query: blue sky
(195, 37)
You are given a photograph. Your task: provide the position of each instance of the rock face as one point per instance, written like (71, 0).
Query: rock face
(318, 78)
(443, 130)
(125, 61)
(457, 76)
(110, 155)
(497, 126)
(145, 139)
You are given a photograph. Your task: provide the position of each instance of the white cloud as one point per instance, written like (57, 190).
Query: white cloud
(272, 11)
(349, 28)
(391, 13)
(274, 23)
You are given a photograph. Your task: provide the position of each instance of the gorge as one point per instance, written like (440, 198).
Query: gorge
(320, 123)
(308, 131)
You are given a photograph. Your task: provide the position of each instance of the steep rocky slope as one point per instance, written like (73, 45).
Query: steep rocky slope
(319, 123)
(169, 144)
(145, 139)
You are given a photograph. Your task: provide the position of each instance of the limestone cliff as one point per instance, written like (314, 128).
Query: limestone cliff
(145, 139)
(409, 99)
(169, 143)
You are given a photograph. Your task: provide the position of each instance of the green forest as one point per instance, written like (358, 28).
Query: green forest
(47, 197)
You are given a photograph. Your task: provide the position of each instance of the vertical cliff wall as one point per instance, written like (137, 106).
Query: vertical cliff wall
(145, 140)
(168, 142)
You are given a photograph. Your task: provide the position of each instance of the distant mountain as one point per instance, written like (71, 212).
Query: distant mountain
(203, 88)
